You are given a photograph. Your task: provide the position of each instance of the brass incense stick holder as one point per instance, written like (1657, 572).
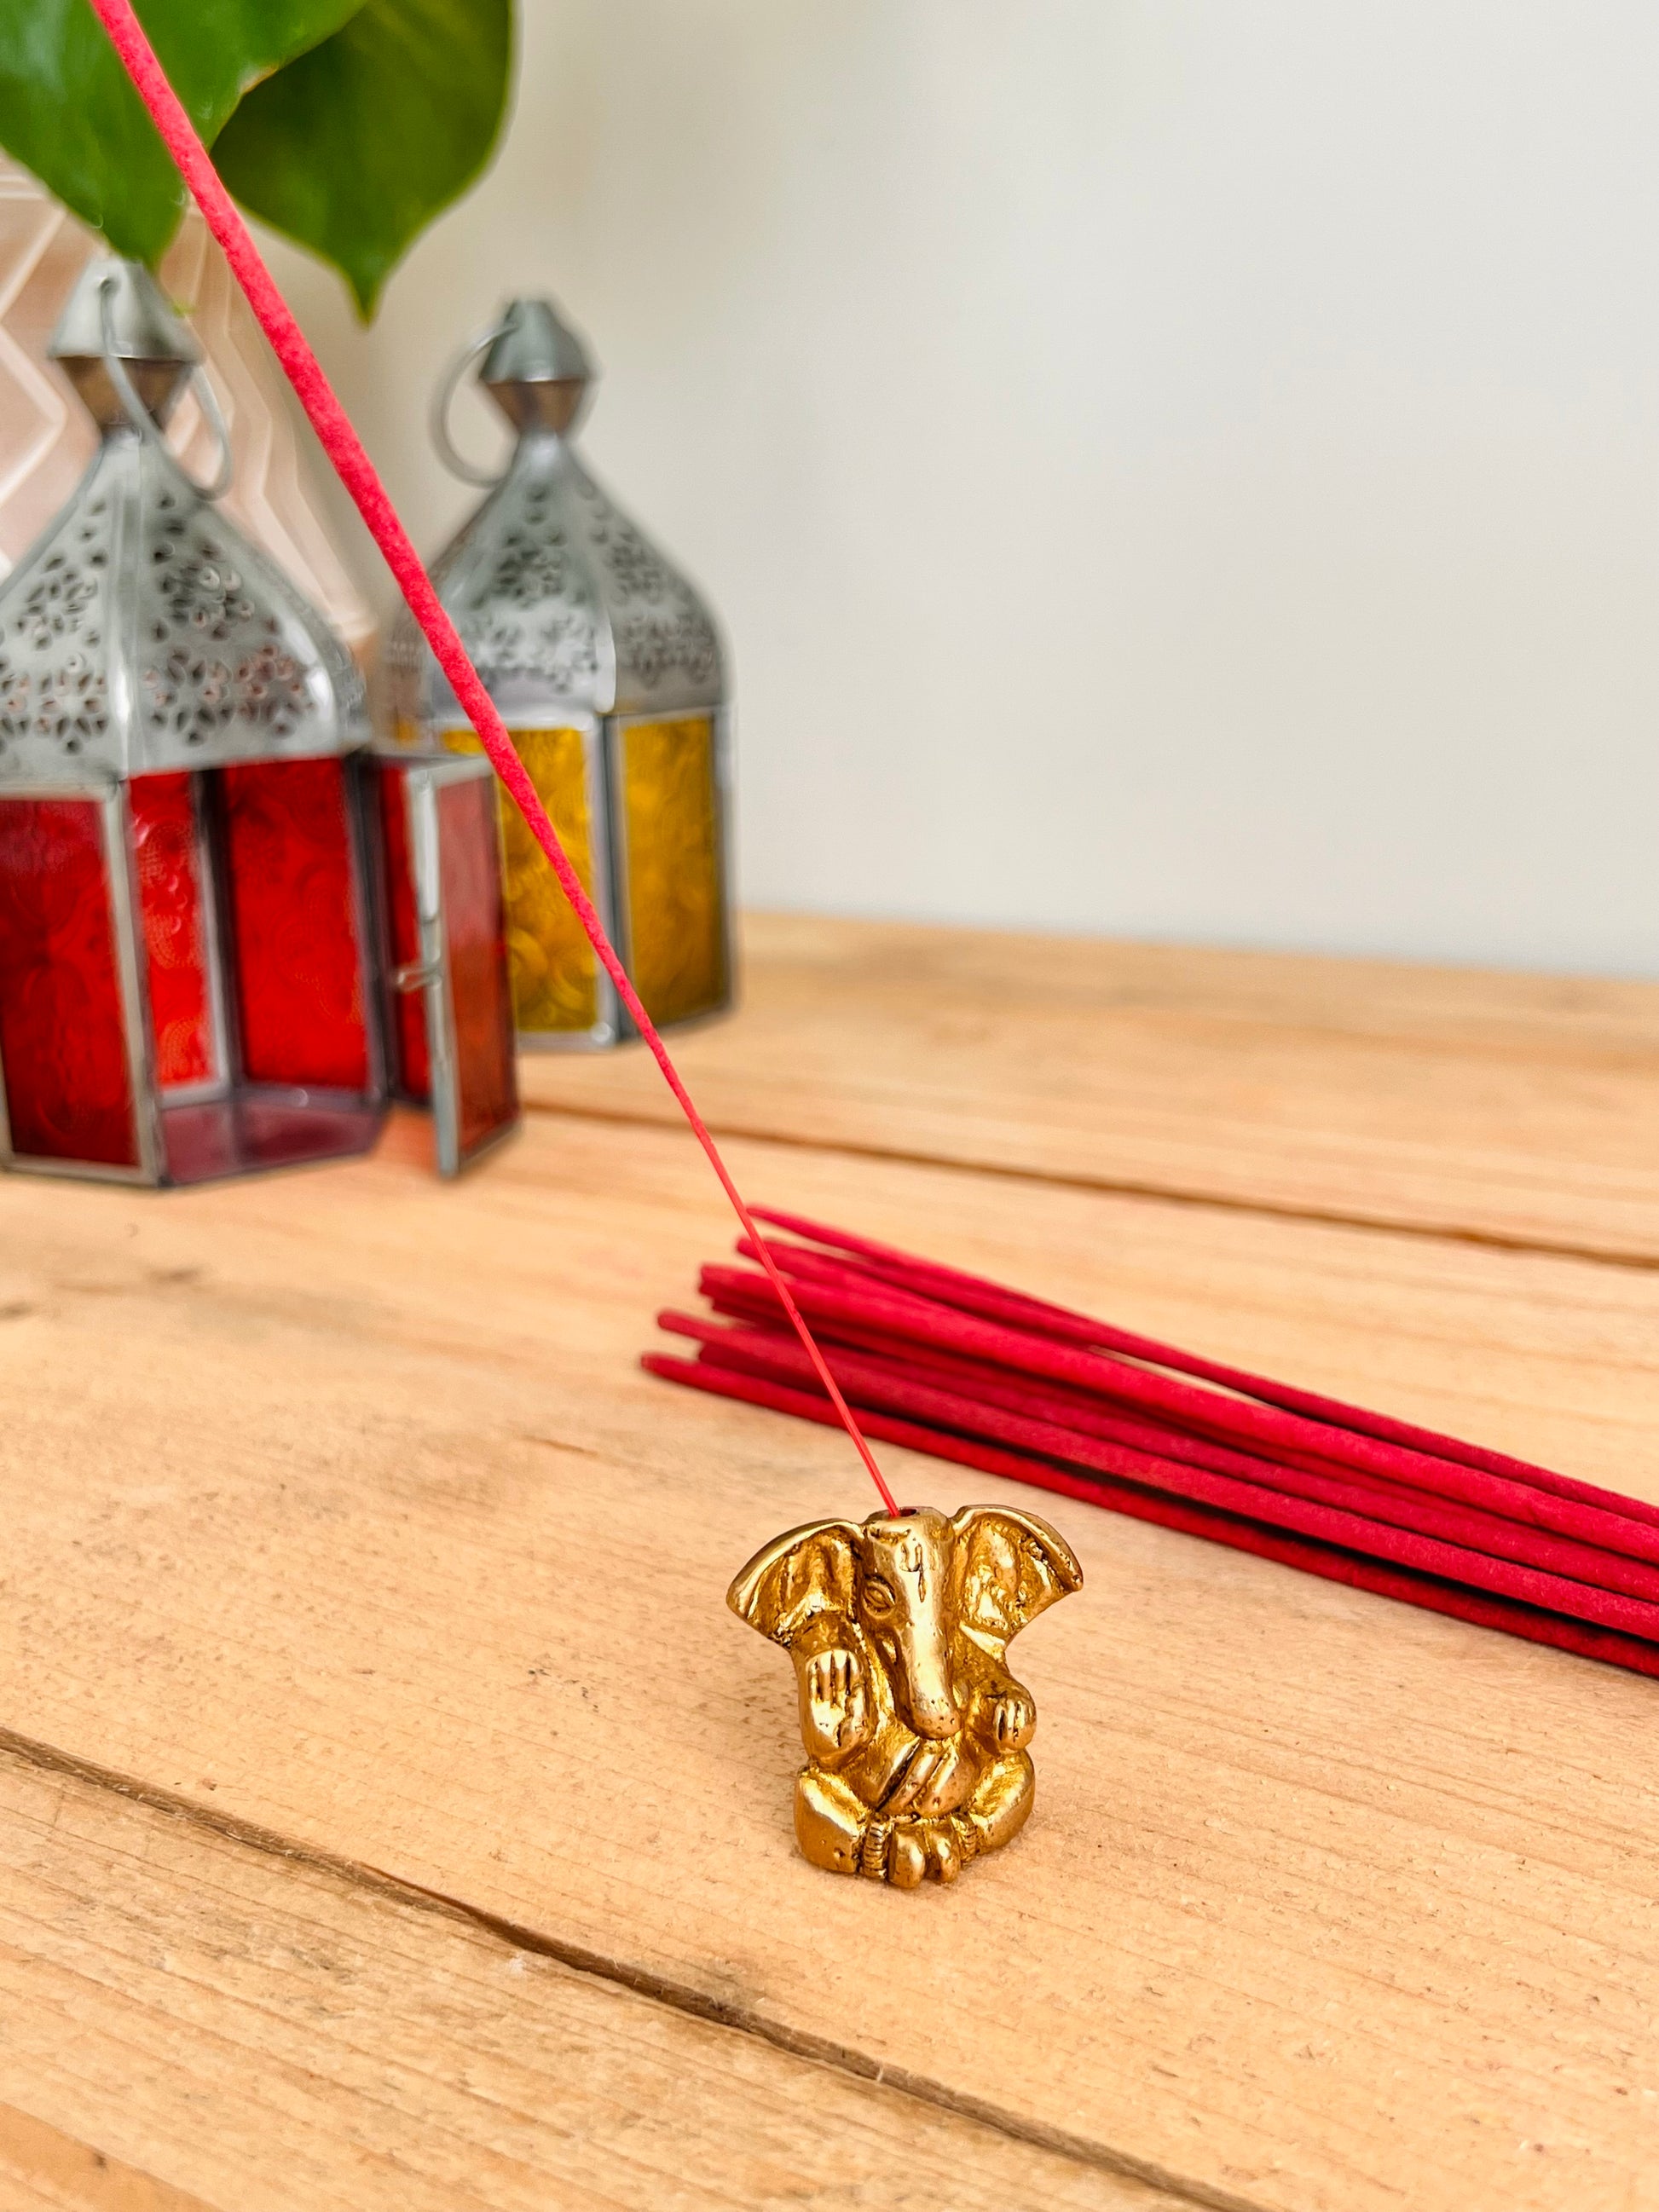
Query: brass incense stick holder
(916, 1733)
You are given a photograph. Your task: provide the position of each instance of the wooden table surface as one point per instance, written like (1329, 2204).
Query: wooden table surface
(392, 1814)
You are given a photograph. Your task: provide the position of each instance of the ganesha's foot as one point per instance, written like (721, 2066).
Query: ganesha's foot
(1001, 1802)
(908, 1852)
(829, 1822)
(837, 1831)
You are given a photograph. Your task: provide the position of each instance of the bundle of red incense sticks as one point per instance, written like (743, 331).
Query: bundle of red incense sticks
(953, 1364)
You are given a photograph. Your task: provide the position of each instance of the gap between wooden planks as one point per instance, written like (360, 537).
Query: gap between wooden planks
(256, 2034)
(1513, 1108)
(337, 1507)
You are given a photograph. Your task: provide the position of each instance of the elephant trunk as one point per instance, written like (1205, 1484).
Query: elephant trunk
(923, 1681)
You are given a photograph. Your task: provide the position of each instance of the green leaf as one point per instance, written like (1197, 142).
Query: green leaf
(354, 148)
(68, 112)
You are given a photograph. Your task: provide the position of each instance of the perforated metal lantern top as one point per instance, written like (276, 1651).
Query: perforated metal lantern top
(144, 632)
(560, 600)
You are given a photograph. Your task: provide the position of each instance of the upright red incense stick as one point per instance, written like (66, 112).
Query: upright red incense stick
(915, 1733)
(357, 473)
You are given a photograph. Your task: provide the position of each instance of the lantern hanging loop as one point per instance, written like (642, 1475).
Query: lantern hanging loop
(140, 416)
(444, 399)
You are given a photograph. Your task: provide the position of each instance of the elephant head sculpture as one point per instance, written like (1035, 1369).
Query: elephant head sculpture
(915, 1732)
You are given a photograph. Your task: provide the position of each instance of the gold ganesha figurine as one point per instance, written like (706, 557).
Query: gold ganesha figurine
(915, 1732)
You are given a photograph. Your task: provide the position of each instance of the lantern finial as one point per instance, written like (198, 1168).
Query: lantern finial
(538, 371)
(117, 306)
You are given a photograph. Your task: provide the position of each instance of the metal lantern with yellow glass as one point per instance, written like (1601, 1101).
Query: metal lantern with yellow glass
(606, 668)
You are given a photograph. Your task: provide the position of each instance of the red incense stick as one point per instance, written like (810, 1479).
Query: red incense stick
(1484, 1609)
(1511, 1498)
(1036, 1420)
(356, 472)
(1327, 1513)
(960, 1367)
(1279, 1434)
(976, 1294)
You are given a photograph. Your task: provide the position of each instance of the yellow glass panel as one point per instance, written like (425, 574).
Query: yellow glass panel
(555, 976)
(675, 898)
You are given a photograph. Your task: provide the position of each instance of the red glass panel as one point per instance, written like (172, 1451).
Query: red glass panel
(62, 1035)
(233, 1136)
(168, 856)
(475, 941)
(409, 1038)
(291, 878)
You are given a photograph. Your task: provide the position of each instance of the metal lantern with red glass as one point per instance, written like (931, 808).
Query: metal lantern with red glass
(190, 945)
(449, 1000)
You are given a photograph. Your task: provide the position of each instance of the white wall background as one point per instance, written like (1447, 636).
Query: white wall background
(1178, 468)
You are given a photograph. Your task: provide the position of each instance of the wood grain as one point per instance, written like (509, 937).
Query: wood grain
(336, 1506)
(1513, 1107)
(41, 2167)
(258, 2035)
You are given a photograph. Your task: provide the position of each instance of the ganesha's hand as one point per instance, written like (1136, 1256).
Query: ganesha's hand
(835, 1703)
(1006, 1719)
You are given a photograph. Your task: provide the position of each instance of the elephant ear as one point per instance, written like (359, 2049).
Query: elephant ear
(1010, 1567)
(798, 1578)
